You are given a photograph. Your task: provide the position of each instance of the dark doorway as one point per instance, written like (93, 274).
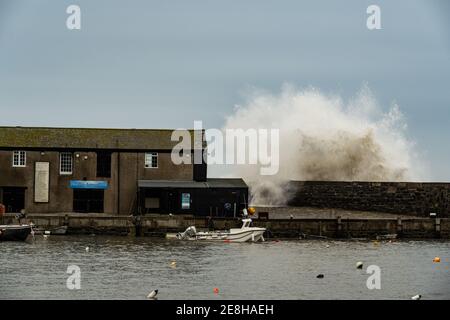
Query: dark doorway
(171, 201)
(13, 199)
(104, 164)
(88, 200)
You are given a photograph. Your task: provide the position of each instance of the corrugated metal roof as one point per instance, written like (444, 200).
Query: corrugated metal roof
(171, 184)
(210, 183)
(226, 183)
(87, 138)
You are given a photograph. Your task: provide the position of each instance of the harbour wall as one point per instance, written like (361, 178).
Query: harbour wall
(159, 225)
(406, 198)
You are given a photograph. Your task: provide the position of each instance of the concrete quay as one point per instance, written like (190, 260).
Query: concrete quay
(334, 224)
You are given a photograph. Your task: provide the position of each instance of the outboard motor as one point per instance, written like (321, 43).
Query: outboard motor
(188, 233)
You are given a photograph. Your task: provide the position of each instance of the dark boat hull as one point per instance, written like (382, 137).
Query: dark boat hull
(14, 233)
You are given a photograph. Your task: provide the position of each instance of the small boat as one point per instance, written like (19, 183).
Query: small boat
(243, 234)
(61, 230)
(15, 232)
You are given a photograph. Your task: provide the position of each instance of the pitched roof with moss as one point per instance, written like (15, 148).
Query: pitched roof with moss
(88, 138)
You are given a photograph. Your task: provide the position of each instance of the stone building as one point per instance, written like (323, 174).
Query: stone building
(115, 171)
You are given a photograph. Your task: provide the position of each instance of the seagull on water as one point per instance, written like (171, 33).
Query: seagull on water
(416, 297)
(152, 295)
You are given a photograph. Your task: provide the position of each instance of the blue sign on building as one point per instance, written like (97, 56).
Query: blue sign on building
(81, 184)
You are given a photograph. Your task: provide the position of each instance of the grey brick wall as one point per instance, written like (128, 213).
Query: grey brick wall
(409, 198)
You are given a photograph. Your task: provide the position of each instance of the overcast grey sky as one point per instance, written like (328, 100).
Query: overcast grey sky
(164, 64)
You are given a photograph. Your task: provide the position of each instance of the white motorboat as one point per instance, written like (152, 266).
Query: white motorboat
(242, 234)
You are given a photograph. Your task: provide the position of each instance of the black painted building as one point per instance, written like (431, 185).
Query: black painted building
(211, 197)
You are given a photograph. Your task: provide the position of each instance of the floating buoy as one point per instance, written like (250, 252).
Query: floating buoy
(437, 259)
(359, 265)
(152, 295)
(327, 246)
(416, 297)
(251, 211)
(226, 241)
(216, 290)
(173, 264)
(320, 276)
(87, 249)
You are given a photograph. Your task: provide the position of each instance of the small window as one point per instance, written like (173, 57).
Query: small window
(151, 160)
(65, 163)
(19, 159)
(151, 203)
(104, 164)
(185, 200)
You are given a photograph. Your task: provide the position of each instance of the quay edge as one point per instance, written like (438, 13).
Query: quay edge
(159, 225)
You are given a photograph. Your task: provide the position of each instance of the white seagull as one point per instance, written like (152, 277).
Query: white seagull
(152, 295)
(87, 249)
(416, 297)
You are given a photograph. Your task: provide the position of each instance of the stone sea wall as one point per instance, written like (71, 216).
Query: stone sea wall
(407, 198)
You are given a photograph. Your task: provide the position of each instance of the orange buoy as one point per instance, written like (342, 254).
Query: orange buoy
(216, 290)
(251, 211)
(437, 259)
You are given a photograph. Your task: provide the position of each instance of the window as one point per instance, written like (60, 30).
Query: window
(19, 159)
(151, 203)
(65, 163)
(104, 164)
(151, 160)
(185, 200)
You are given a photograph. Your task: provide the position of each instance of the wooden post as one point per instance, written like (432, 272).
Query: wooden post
(339, 227)
(399, 226)
(348, 227)
(437, 227)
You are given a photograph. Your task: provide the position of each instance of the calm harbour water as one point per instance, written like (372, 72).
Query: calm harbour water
(129, 268)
